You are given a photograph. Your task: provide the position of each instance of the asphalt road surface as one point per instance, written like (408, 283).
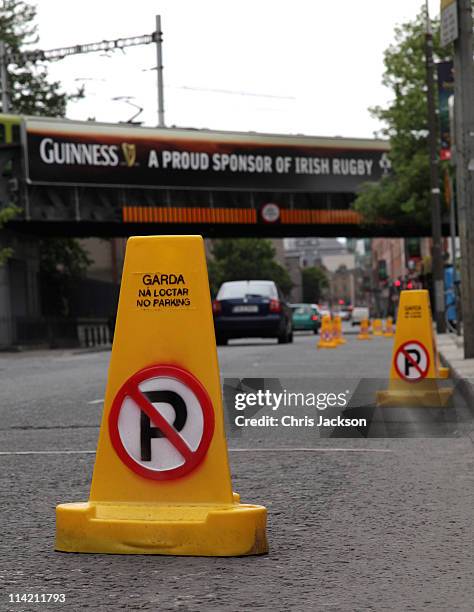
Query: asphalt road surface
(355, 523)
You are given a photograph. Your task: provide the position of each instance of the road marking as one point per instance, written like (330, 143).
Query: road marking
(96, 401)
(231, 450)
(309, 450)
(49, 452)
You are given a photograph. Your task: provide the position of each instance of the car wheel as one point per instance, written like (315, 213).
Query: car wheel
(290, 337)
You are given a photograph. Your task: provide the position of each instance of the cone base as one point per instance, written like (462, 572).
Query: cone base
(444, 373)
(326, 345)
(434, 398)
(193, 530)
(363, 337)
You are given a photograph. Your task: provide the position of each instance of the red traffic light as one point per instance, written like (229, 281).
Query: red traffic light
(397, 283)
(410, 285)
(341, 302)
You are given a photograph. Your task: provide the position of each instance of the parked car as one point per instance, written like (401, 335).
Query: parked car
(306, 317)
(345, 314)
(251, 309)
(359, 313)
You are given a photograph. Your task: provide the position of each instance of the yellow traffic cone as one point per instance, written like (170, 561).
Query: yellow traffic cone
(326, 339)
(337, 330)
(364, 333)
(161, 482)
(388, 332)
(377, 328)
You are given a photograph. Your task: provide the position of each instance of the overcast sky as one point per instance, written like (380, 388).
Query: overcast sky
(306, 66)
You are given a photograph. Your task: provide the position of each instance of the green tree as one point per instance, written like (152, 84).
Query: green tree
(246, 259)
(32, 93)
(314, 281)
(63, 257)
(62, 262)
(404, 194)
(5, 215)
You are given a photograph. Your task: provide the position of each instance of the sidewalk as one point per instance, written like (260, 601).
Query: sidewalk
(451, 351)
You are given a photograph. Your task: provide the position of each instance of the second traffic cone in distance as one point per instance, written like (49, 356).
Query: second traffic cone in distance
(326, 339)
(414, 372)
(161, 482)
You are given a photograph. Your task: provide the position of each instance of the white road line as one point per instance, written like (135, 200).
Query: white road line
(231, 450)
(96, 401)
(309, 450)
(49, 452)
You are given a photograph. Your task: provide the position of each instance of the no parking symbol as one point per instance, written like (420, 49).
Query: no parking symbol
(412, 361)
(161, 422)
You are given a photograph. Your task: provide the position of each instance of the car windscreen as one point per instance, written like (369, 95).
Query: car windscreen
(303, 310)
(240, 289)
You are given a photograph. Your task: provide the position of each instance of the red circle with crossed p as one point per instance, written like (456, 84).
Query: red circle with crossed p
(161, 422)
(412, 361)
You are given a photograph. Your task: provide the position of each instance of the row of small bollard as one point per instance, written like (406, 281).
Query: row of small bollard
(331, 335)
(378, 329)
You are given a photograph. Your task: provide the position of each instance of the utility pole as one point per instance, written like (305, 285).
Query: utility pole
(437, 266)
(159, 71)
(4, 78)
(464, 135)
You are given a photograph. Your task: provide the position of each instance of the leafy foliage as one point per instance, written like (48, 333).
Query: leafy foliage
(5, 215)
(314, 281)
(63, 257)
(246, 259)
(31, 92)
(404, 195)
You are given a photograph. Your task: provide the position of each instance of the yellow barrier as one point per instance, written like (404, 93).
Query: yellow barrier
(337, 330)
(377, 327)
(389, 332)
(326, 339)
(364, 333)
(161, 482)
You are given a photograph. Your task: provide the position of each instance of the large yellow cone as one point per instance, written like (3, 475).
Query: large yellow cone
(161, 482)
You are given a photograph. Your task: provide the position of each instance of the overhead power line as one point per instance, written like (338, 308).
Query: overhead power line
(62, 52)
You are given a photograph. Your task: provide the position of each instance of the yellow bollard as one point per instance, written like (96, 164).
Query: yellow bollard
(364, 333)
(388, 332)
(337, 330)
(377, 328)
(326, 339)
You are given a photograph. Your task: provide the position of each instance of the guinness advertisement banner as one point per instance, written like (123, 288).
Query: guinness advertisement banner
(63, 152)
